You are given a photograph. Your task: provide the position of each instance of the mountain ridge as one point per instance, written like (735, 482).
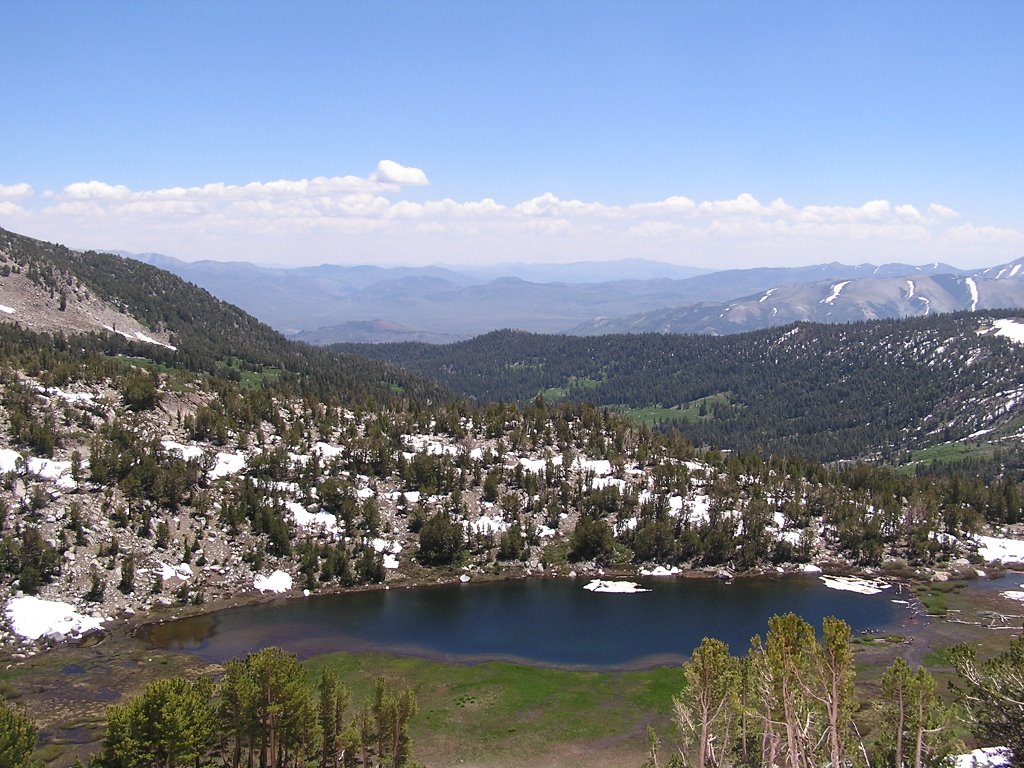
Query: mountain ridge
(328, 303)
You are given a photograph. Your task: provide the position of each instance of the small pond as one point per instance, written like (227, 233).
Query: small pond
(553, 622)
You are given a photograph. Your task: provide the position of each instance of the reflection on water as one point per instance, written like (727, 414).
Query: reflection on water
(187, 633)
(542, 621)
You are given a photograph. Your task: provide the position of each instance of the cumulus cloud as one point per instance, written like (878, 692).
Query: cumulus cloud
(96, 190)
(369, 218)
(15, 191)
(7, 208)
(390, 172)
(942, 212)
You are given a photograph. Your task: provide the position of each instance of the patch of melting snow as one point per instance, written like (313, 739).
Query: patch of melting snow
(227, 464)
(32, 617)
(599, 467)
(767, 294)
(910, 287)
(68, 397)
(390, 562)
(6, 310)
(836, 290)
(660, 570)
(278, 582)
(182, 571)
(599, 483)
(855, 584)
(186, 452)
(140, 336)
(312, 520)
(9, 460)
(383, 545)
(973, 288)
(983, 757)
(996, 548)
(328, 451)
(1014, 594)
(1009, 328)
(490, 524)
(618, 587)
(58, 472)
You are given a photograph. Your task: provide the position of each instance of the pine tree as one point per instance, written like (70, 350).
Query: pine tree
(17, 736)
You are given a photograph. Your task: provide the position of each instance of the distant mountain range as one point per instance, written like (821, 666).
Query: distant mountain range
(831, 301)
(331, 303)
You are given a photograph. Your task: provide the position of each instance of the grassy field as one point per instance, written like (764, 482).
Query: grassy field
(690, 412)
(498, 713)
(556, 394)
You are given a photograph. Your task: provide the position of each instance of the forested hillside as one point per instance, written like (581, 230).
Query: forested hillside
(821, 391)
(205, 334)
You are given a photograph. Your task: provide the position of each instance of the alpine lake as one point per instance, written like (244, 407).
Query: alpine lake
(546, 622)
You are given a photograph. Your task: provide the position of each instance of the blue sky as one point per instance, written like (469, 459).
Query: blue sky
(712, 134)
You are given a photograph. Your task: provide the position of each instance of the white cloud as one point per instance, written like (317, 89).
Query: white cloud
(15, 191)
(942, 212)
(96, 190)
(654, 229)
(390, 172)
(368, 218)
(8, 208)
(745, 204)
(971, 233)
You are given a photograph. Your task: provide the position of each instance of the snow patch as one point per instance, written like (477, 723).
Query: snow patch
(303, 518)
(973, 287)
(6, 310)
(140, 336)
(855, 584)
(1009, 328)
(490, 524)
(910, 289)
(995, 548)
(32, 617)
(9, 460)
(836, 290)
(983, 757)
(186, 452)
(328, 451)
(383, 545)
(620, 587)
(67, 397)
(278, 582)
(600, 467)
(227, 464)
(660, 570)
(182, 571)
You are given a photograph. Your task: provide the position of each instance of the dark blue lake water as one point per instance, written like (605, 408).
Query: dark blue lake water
(540, 621)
